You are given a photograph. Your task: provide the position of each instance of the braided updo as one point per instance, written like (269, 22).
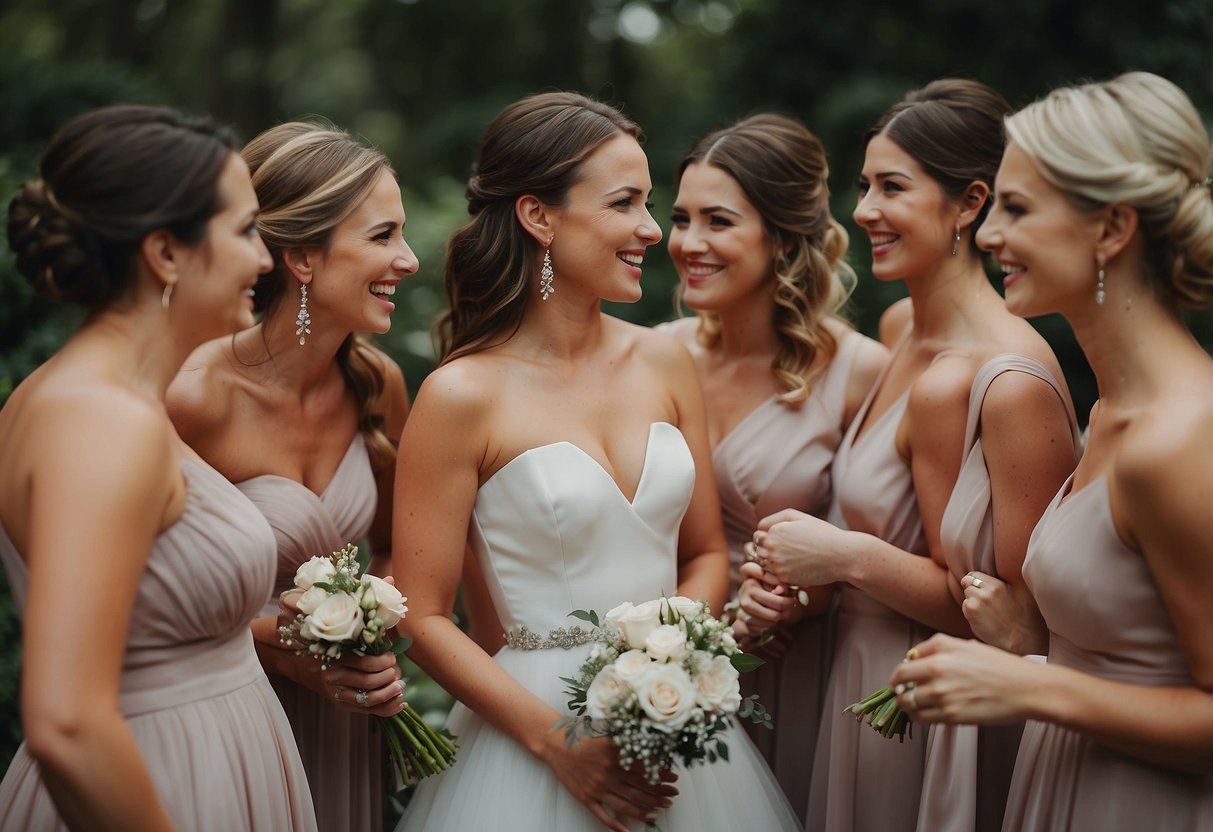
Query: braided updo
(107, 179)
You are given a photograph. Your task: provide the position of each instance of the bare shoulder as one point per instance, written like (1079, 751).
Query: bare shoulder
(683, 329)
(944, 385)
(665, 351)
(199, 399)
(461, 390)
(894, 320)
(1169, 446)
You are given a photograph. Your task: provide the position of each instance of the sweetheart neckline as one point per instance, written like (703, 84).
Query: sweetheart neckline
(644, 468)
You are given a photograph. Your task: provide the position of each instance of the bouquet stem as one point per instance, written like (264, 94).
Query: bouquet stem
(417, 749)
(880, 710)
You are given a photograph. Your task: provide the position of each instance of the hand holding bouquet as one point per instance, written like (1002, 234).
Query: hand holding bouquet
(662, 682)
(342, 611)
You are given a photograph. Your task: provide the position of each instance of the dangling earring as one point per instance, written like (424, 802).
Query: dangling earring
(303, 321)
(165, 295)
(546, 274)
(956, 242)
(1100, 294)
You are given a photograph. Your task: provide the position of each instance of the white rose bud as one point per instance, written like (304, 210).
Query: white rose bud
(635, 623)
(605, 692)
(631, 664)
(316, 569)
(667, 696)
(685, 607)
(391, 606)
(307, 602)
(717, 686)
(667, 643)
(338, 618)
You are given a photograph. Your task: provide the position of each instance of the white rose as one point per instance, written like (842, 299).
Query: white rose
(667, 643)
(667, 695)
(338, 618)
(307, 602)
(316, 569)
(605, 692)
(685, 607)
(635, 623)
(391, 606)
(631, 664)
(717, 688)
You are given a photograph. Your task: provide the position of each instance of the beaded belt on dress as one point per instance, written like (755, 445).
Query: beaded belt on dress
(565, 638)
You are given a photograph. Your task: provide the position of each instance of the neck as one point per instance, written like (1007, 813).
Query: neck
(148, 345)
(562, 328)
(746, 329)
(273, 346)
(945, 297)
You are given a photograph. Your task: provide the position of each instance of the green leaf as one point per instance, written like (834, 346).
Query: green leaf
(401, 644)
(722, 750)
(745, 662)
(585, 615)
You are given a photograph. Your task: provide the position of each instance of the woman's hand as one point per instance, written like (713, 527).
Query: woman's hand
(1003, 615)
(962, 681)
(802, 550)
(764, 600)
(590, 770)
(362, 684)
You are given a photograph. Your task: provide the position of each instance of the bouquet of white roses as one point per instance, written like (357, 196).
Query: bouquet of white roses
(342, 610)
(662, 682)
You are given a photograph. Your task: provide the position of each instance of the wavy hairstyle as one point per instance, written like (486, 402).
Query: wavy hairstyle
(535, 147)
(107, 179)
(1135, 140)
(308, 178)
(953, 127)
(781, 166)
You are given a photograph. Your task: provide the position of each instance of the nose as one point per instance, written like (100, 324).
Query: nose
(648, 230)
(265, 261)
(406, 261)
(865, 209)
(989, 235)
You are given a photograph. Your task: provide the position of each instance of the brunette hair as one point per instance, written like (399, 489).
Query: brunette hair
(1135, 140)
(107, 179)
(308, 178)
(536, 147)
(781, 166)
(953, 128)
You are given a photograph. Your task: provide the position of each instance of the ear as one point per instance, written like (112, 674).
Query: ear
(1118, 225)
(300, 263)
(536, 218)
(971, 201)
(161, 252)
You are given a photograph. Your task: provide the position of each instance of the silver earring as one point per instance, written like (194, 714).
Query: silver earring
(166, 294)
(1100, 294)
(956, 242)
(546, 274)
(303, 321)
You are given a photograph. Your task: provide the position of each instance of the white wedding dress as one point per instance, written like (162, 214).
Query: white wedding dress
(554, 533)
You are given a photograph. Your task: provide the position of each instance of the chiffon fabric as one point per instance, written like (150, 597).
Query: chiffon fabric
(780, 457)
(554, 533)
(1106, 617)
(341, 750)
(215, 741)
(860, 780)
(968, 769)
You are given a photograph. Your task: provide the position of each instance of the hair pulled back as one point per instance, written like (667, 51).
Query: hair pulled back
(535, 147)
(781, 166)
(953, 128)
(1136, 140)
(308, 178)
(107, 179)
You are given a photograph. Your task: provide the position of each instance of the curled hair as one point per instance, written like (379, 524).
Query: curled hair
(781, 166)
(107, 179)
(953, 128)
(535, 147)
(308, 178)
(1135, 140)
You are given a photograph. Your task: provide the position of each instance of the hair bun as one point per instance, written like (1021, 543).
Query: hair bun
(54, 254)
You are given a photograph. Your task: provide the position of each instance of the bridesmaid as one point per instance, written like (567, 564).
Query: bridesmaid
(946, 469)
(1104, 215)
(303, 416)
(149, 710)
(759, 257)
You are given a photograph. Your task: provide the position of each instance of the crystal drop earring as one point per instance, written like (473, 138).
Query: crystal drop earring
(303, 321)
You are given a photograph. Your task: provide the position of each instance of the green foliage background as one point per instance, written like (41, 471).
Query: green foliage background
(421, 79)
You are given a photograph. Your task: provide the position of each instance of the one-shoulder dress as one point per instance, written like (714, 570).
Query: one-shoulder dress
(553, 533)
(341, 750)
(217, 745)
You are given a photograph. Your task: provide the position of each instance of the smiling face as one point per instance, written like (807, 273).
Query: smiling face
(355, 275)
(604, 227)
(1045, 246)
(909, 221)
(718, 243)
(216, 279)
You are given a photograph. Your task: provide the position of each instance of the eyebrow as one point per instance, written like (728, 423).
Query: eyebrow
(885, 174)
(628, 189)
(385, 225)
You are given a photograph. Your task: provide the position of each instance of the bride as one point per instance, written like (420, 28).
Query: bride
(567, 450)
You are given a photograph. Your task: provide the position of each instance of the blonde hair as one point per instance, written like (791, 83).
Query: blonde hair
(1135, 140)
(781, 166)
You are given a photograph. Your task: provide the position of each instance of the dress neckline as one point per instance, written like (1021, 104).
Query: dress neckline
(345, 458)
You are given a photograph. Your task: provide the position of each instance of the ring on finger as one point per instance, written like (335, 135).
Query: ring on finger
(976, 583)
(914, 698)
(361, 698)
(337, 694)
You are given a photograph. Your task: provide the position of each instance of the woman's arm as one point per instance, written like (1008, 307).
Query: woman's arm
(443, 447)
(100, 489)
